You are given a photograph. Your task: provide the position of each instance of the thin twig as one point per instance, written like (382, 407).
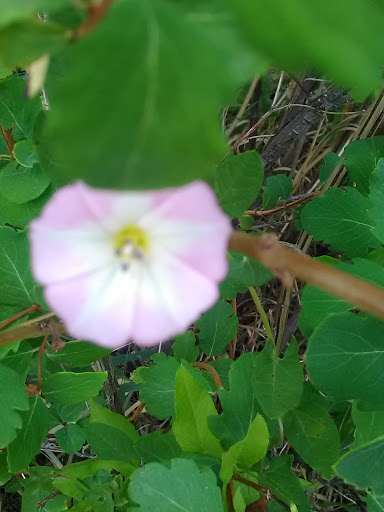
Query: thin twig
(209, 368)
(15, 317)
(286, 206)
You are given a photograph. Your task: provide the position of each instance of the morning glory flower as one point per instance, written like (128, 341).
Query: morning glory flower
(130, 266)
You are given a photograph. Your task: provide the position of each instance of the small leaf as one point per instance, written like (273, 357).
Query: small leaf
(185, 348)
(330, 162)
(243, 272)
(238, 181)
(110, 443)
(361, 159)
(113, 419)
(33, 433)
(369, 425)
(70, 438)
(71, 388)
(279, 382)
(25, 153)
(340, 218)
(218, 326)
(11, 417)
(78, 354)
(22, 184)
(19, 360)
(363, 467)
(20, 215)
(193, 405)
(157, 447)
(5, 475)
(313, 433)
(276, 186)
(182, 487)
(345, 358)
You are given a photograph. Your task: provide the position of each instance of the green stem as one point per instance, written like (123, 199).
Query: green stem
(263, 314)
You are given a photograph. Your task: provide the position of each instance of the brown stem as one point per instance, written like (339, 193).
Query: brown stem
(209, 368)
(41, 352)
(27, 330)
(287, 263)
(12, 318)
(265, 490)
(8, 139)
(286, 206)
(135, 416)
(42, 503)
(96, 12)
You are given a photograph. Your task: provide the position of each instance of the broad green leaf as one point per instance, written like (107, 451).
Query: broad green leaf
(291, 40)
(248, 451)
(78, 354)
(70, 438)
(369, 425)
(363, 467)
(182, 487)
(5, 475)
(11, 405)
(282, 481)
(361, 158)
(16, 9)
(71, 388)
(218, 326)
(20, 215)
(330, 162)
(19, 360)
(157, 447)
(313, 433)
(276, 186)
(279, 382)
(109, 442)
(25, 153)
(113, 419)
(377, 197)
(17, 287)
(68, 413)
(193, 405)
(243, 272)
(17, 112)
(340, 218)
(375, 503)
(239, 404)
(345, 358)
(154, 86)
(29, 439)
(37, 487)
(185, 347)
(223, 366)
(21, 184)
(25, 41)
(317, 304)
(238, 181)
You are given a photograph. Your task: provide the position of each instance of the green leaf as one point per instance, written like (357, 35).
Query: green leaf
(330, 162)
(375, 503)
(292, 41)
(218, 326)
(279, 382)
(193, 405)
(17, 287)
(113, 419)
(276, 186)
(238, 182)
(243, 272)
(109, 442)
(248, 451)
(78, 353)
(16, 112)
(182, 487)
(318, 305)
(70, 438)
(27, 40)
(22, 184)
(377, 196)
(369, 425)
(154, 86)
(157, 447)
(5, 475)
(20, 215)
(71, 388)
(20, 360)
(284, 483)
(33, 433)
(340, 218)
(239, 404)
(246, 222)
(345, 358)
(25, 153)
(22, 8)
(313, 433)
(185, 348)
(11, 417)
(361, 158)
(363, 467)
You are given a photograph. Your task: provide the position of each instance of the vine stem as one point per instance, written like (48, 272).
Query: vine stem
(261, 310)
(287, 264)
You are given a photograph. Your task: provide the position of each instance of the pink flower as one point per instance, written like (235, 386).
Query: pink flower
(130, 266)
